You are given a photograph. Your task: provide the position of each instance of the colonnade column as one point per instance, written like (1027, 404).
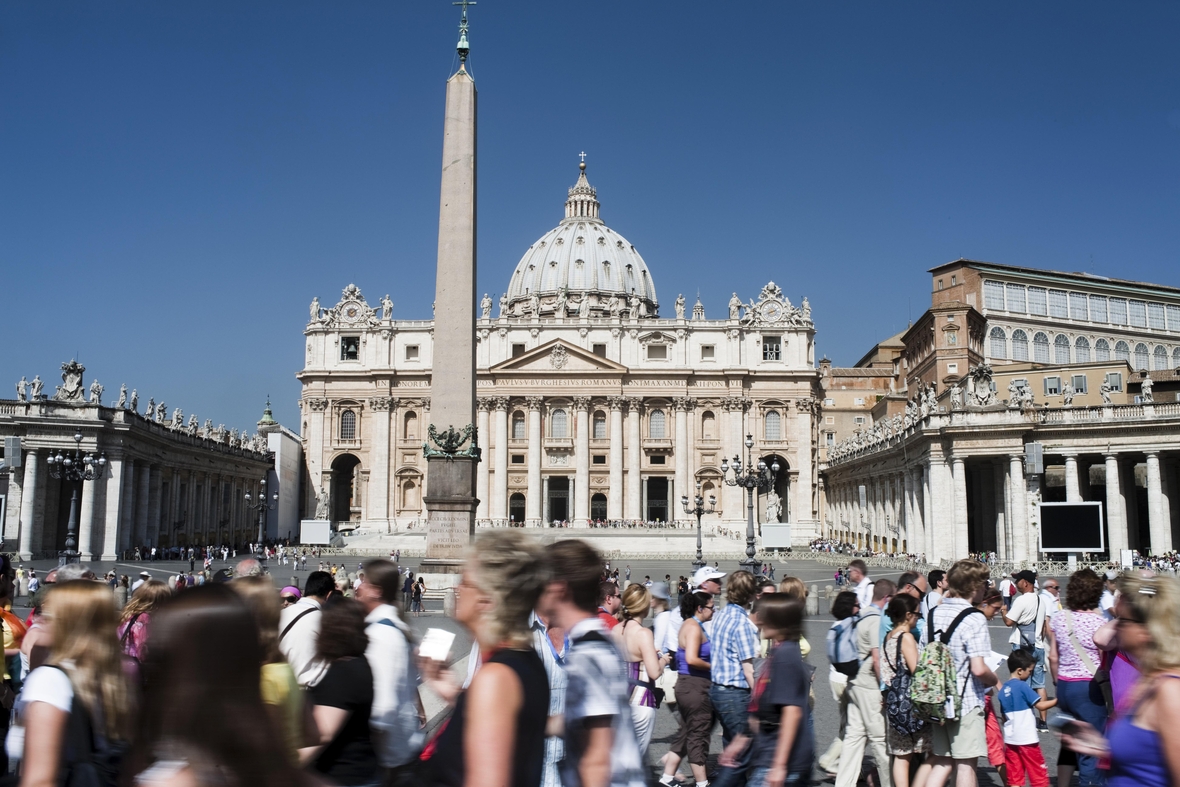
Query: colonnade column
(381, 459)
(1017, 509)
(908, 516)
(1158, 519)
(28, 502)
(1000, 495)
(143, 484)
(634, 460)
(959, 544)
(942, 509)
(614, 499)
(500, 492)
(928, 522)
(483, 469)
(1073, 487)
(681, 406)
(1116, 510)
(581, 461)
(86, 519)
(114, 501)
(532, 514)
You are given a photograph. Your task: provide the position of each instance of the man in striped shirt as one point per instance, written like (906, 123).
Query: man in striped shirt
(735, 643)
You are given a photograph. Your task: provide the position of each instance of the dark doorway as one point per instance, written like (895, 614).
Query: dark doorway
(598, 506)
(559, 498)
(657, 500)
(344, 487)
(516, 509)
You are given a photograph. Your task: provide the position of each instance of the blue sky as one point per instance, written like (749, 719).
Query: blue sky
(177, 180)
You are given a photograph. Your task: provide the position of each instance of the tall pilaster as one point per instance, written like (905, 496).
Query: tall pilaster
(581, 461)
(28, 503)
(614, 500)
(681, 407)
(483, 475)
(634, 460)
(532, 501)
(1116, 509)
(500, 491)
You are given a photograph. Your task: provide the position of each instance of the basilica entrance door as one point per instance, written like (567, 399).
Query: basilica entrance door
(657, 499)
(559, 498)
(516, 509)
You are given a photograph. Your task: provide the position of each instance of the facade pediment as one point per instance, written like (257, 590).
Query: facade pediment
(557, 356)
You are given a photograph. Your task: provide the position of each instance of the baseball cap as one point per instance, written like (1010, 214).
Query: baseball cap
(704, 574)
(1026, 575)
(660, 590)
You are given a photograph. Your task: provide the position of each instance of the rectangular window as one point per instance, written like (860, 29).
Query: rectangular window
(829, 419)
(829, 402)
(1097, 308)
(600, 459)
(1173, 318)
(708, 352)
(1078, 381)
(657, 352)
(600, 350)
(1037, 303)
(411, 352)
(952, 368)
(859, 401)
(350, 348)
(1016, 298)
(1115, 380)
(517, 350)
(831, 439)
(772, 348)
(518, 459)
(1137, 311)
(657, 459)
(1155, 316)
(860, 419)
(1118, 311)
(993, 294)
(1058, 304)
(1052, 386)
(1077, 306)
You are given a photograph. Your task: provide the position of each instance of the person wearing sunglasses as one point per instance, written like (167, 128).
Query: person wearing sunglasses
(289, 595)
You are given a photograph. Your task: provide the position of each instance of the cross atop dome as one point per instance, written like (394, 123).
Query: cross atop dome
(582, 204)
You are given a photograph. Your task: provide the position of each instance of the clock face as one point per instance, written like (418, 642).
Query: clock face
(352, 312)
(772, 311)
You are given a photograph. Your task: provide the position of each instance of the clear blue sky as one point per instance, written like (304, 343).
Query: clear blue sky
(177, 180)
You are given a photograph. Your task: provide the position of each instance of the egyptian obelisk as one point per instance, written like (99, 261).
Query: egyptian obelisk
(451, 447)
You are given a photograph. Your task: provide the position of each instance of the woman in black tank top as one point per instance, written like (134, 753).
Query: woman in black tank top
(499, 721)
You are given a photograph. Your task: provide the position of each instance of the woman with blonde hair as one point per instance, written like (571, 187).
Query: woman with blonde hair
(77, 709)
(639, 654)
(498, 725)
(137, 615)
(793, 587)
(280, 691)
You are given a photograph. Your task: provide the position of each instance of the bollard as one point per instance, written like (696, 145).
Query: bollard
(812, 607)
(449, 603)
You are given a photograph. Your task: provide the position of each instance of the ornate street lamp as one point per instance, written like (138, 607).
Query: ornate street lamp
(75, 467)
(754, 479)
(262, 506)
(698, 509)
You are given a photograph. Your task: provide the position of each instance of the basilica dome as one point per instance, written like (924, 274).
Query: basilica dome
(581, 267)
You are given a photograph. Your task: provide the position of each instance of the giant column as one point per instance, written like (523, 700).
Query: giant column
(614, 500)
(86, 520)
(114, 501)
(1157, 518)
(482, 479)
(452, 451)
(1018, 548)
(532, 500)
(1116, 510)
(500, 493)
(28, 503)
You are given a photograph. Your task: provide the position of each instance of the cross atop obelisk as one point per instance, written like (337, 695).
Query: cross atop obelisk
(452, 448)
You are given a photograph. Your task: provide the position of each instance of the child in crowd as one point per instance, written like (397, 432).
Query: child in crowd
(1019, 704)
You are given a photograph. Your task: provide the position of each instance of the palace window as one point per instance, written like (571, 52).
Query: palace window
(1016, 298)
(1155, 316)
(1122, 351)
(1160, 357)
(657, 425)
(1102, 350)
(860, 419)
(411, 352)
(559, 424)
(1141, 356)
(1041, 347)
(1137, 311)
(600, 426)
(1061, 348)
(1077, 306)
(708, 352)
(999, 343)
(831, 439)
(348, 426)
(518, 426)
(1078, 381)
(1019, 345)
(1052, 386)
(1097, 308)
(1081, 350)
(1176, 357)
(1173, 318)
(350, 348)
(657, 352)
(993, 294)
(1118, 311)
(772, 348)
(1058, 304)
(1115, 380)
(773, 425)
(1037, 303)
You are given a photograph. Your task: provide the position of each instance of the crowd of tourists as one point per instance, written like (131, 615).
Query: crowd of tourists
(833, 546)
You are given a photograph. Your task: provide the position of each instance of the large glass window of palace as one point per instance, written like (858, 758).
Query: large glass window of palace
(1041, 347)
(773, 425)
(993, 294)
(1037, 301)
(1061, 348)
(999, 343)
(1102, 350)
(772, 348)
(1122, 351)
(1173, 318)
(350, 348)
(1016, 299)
(1155, 316)
(1141, 356)
(1118, 311)
(1176, 357)
(1078, 307)
(1019, 345)
(600, 425)
(518, 426)
(1137, 312)
(1081, 350)
(1159, 357)
(657, 425)
(348, 426)
(1097, 308)
(559, 424)
(1058, 304)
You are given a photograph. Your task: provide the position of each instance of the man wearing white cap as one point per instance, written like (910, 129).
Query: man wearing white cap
(143, 577)
(707, 579)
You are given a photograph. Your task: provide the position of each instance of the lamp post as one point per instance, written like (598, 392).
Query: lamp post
(698, 509)
(262, 505)
(754, 479)
(75, 467)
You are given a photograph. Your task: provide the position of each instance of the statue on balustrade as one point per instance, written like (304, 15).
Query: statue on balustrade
(1067, 395)
(1145, 389)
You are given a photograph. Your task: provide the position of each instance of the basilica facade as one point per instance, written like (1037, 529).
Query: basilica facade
(591, 406)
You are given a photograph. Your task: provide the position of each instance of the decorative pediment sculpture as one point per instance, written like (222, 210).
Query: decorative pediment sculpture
(352, 311)
(71, 388)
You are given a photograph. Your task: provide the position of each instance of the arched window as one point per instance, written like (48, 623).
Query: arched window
(410, 430)
(773, 425)
(1160, 357)
(1176, 357)
(518, 426)
(1102, 350)
(1019, 345)
(1061, 348)
(1041, 347)
(1081, 350)
(1122, 351)
(709, 424)
(999, 343)
(657, 425)
(599, 425)
(559, 425)
(1141, 356)
(348, 426)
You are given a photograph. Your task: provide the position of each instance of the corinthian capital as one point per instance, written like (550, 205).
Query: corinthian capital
(500, 402)
(534, 402)
(317, 405)
(684, 403)
(581, 402)
(483, 404)
(616, 402)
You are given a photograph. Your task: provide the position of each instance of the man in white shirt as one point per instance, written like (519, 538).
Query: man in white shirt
(299, 627)
(936, 579)
(1106, 603)
(396, 717)
(143, 577)
(858, 574)
(1026, 618)
(1051, 595)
